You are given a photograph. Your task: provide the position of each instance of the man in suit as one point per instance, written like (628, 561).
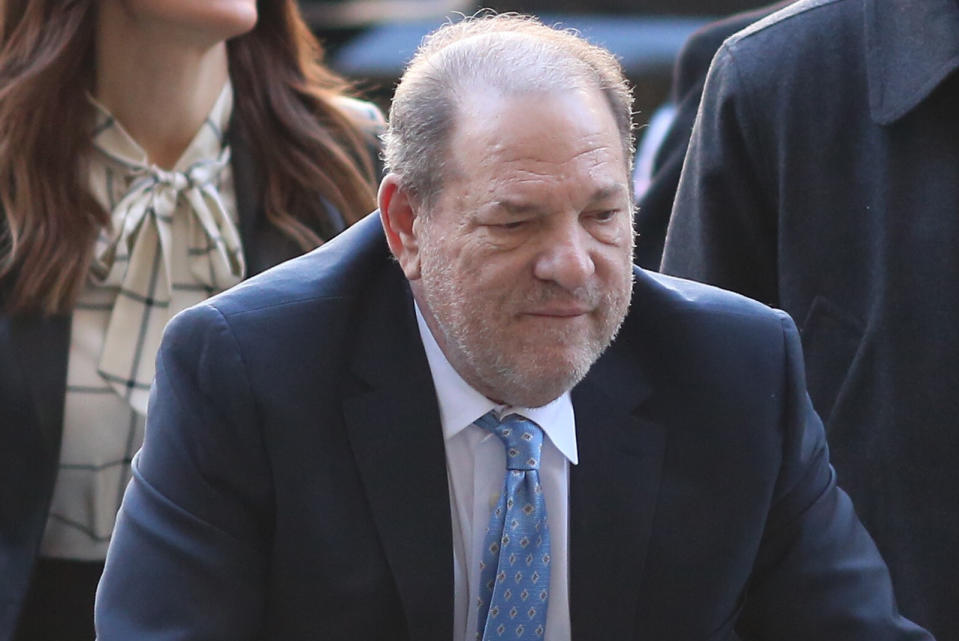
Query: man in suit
(326, 442)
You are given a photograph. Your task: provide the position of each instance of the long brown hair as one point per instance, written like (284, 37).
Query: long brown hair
(308, 149)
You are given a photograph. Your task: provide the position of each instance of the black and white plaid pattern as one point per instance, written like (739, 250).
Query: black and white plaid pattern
(101, 430)
(139, 255)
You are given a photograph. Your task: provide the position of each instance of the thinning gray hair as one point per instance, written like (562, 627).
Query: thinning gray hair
(508, 53)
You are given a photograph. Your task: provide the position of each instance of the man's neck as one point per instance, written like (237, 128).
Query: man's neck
(160, 87)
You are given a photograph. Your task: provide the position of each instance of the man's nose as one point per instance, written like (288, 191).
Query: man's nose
(565, 258)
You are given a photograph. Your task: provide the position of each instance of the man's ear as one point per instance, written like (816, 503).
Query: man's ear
(398, 213)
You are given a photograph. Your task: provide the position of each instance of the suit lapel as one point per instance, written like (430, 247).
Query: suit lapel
(36, 367)
(247, 188)
(395, 433)
(396, 436)
(264, 244)
(32, 383)
(613, 493)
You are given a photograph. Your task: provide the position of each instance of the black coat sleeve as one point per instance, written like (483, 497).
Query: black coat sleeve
(723, 227)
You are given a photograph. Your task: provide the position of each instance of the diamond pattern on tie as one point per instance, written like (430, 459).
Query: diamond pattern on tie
(515, 561)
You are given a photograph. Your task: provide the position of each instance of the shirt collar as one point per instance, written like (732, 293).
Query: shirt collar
(460, 404)
(911, 47)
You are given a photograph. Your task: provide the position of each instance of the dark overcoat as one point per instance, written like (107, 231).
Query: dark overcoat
(823, 178)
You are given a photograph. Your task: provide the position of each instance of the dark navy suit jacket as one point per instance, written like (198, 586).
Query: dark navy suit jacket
(293, 480)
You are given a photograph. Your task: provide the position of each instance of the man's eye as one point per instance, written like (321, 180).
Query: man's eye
(605, 215)
(516, 224)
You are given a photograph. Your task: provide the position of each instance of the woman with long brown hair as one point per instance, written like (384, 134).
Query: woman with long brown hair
(152, 153)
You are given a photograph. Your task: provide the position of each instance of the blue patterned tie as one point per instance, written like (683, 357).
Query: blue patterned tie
(514, 570)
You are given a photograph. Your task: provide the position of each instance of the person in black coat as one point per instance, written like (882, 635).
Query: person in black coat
(655, 204)
(823, 178)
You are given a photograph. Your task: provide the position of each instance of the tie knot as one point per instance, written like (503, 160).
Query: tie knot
(522, 437)
(199, 174)
(175, 180)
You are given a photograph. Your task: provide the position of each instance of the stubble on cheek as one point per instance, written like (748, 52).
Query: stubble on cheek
(501, 352)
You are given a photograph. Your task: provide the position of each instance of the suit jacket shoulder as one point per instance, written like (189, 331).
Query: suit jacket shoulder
(334, 269)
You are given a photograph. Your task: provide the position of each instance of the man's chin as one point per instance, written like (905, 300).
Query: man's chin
(526, 386)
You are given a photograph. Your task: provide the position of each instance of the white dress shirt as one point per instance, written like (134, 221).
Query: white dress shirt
(476, 467)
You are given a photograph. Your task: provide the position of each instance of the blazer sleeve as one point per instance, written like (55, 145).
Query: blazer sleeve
(188, 558)
(818, 574)
(722, 229)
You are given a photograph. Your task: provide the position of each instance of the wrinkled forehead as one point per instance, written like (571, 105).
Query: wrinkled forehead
(541, 130)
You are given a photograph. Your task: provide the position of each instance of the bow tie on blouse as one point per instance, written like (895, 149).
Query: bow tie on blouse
(139, 258)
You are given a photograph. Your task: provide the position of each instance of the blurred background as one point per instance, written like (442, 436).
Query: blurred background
(371, 40)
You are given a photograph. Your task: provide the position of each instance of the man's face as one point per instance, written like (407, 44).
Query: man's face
(525, 255)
